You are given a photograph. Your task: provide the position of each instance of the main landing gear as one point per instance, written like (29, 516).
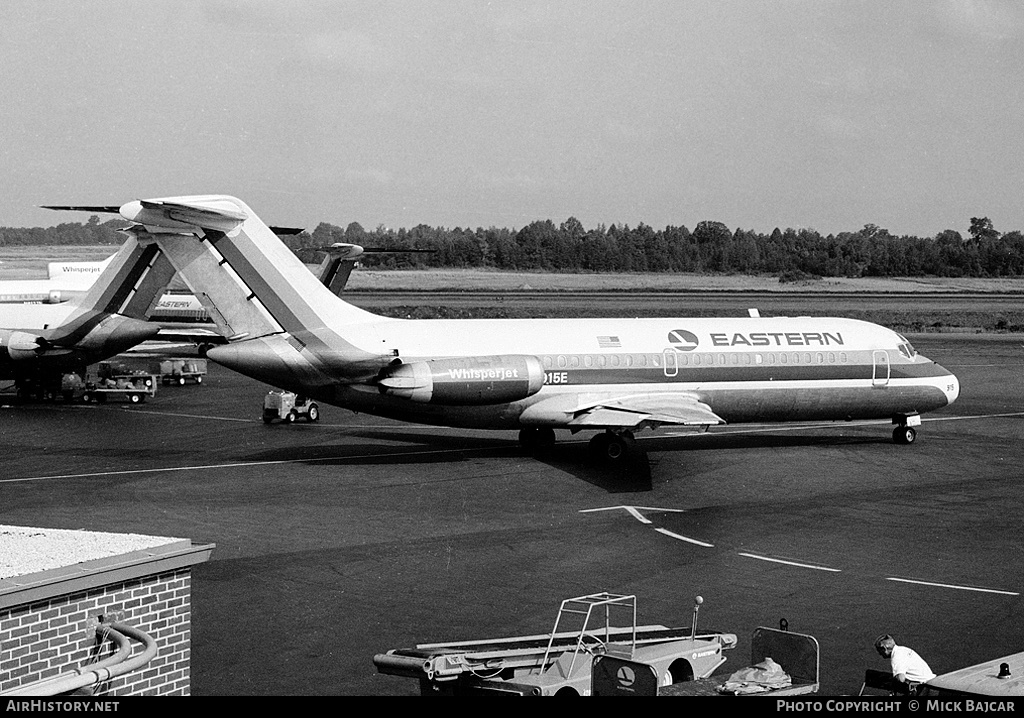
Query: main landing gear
(536, 438)
(612, 446)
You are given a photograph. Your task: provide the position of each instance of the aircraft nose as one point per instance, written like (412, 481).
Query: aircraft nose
(953, 389)
(950, 387)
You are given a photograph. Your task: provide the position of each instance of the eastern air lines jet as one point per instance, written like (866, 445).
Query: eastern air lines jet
(615, 376)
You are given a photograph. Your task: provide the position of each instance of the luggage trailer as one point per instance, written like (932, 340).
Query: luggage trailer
(560, 663)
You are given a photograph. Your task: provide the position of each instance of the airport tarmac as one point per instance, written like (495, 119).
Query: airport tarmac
(339, 540)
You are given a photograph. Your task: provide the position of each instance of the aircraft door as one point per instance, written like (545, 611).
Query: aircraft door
(880, 368)
(671, 362)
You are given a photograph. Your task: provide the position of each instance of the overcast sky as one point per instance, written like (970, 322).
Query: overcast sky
(758, 114)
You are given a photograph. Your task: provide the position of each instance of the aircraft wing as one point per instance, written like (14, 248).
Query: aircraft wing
(184, 333)
(622, 410)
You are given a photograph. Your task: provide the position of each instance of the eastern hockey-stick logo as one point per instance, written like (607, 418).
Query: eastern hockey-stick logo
(682, 340)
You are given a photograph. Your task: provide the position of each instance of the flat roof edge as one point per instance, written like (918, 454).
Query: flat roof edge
(44, 585)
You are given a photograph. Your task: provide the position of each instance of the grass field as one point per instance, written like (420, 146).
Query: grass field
(961, 306)
(30, 263)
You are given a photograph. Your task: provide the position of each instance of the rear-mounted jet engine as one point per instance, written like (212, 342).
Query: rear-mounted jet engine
(466, 381)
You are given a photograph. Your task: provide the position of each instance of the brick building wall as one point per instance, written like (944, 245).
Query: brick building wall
(49, 620)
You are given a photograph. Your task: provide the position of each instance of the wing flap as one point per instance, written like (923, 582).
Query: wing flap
(665, 408)
(623, 411)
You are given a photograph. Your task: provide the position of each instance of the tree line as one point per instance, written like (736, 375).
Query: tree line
(711, 247)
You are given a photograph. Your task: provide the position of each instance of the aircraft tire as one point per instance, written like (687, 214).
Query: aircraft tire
(615, 449)
(612, 447)
(537, 438)
(904, 435)
(598, 444)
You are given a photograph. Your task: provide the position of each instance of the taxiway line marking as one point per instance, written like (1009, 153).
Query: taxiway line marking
(950, 585)
(791, 563)
(235, 465)
(684, 538)
(637, 515)
(633, 511)
(193, 416)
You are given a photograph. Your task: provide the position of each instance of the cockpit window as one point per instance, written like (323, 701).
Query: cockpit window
(906, 348)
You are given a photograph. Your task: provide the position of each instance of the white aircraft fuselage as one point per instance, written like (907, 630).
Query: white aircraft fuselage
(744, 369)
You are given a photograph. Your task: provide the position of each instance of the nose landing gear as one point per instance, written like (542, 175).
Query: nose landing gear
(905, 433)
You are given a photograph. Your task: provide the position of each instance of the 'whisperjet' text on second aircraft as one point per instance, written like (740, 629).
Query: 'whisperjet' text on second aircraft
(764, 339)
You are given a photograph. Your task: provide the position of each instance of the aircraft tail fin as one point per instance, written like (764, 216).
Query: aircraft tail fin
(341, 258)
(337, 266)
(251, 283)
(110, 317)
(131, 282)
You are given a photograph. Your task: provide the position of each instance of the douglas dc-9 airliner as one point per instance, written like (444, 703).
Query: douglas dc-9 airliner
(615, 376)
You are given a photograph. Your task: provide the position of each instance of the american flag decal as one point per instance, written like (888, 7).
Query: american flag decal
(608, 342)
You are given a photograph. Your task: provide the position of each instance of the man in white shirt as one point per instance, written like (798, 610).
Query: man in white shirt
(908, 669)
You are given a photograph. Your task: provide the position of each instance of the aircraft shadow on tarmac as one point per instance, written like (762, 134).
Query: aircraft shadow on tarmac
(632, 475)
(382, 448)
(725, 441)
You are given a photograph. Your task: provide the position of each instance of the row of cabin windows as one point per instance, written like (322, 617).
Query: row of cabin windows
(601, 361)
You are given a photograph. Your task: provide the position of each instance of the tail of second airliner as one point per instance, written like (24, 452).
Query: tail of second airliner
(131, 281)
(251, 283)
(110, 317)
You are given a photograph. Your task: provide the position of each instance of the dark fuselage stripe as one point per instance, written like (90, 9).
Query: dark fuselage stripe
(727, 373)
